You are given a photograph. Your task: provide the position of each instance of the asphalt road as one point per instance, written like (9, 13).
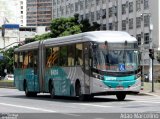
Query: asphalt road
(14, 102)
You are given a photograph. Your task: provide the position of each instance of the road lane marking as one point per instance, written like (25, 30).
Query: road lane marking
(94, 105)
(76, 115)
(146, 101)
(26, 107)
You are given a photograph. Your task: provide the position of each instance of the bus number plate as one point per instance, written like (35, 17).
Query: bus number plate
(120, 88)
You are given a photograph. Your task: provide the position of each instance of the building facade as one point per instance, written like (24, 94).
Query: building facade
(39, 12)
(13, 12)
(133, 16)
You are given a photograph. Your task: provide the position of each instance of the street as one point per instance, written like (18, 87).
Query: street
(14, 101)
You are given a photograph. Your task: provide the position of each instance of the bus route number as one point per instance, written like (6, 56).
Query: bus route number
(54, 72)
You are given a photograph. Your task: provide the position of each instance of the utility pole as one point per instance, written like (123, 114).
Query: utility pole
(151, 48)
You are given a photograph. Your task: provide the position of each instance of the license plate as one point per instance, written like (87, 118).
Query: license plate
(120, 87)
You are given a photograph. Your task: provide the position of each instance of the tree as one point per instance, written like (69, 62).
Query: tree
(70, 26)
(7, 62)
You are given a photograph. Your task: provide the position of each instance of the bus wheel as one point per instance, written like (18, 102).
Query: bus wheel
(79, 91)
(52, 90)
(120, 96)
(27, 93)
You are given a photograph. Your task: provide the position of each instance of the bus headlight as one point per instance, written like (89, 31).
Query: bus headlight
(98, 76)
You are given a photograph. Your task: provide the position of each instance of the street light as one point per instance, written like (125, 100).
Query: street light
(150, 47)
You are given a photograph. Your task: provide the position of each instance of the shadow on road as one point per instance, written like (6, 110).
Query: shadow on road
(67, 99)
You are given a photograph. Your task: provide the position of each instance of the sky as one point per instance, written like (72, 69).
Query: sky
(8, 10)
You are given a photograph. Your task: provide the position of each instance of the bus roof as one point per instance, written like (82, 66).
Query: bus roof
(32, 45)
(97, 36)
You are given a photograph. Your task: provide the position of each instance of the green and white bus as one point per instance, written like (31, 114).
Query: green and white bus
(82, 65)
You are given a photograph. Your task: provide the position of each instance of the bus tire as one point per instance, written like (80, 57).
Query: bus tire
(52, 90)
(81, 96)
(120, 96)
(27, 93)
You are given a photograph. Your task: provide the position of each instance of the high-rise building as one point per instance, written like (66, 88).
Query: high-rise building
(13, 12)
(39, 12)
(133, 16)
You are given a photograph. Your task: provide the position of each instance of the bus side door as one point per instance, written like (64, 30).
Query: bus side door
(86, 68)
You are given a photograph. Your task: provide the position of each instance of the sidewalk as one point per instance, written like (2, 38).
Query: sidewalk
(147, 89)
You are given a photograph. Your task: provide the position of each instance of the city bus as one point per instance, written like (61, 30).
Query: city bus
(82, 65)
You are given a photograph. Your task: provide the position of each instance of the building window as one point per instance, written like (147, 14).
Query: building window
(138, 5)
(21, 2)
(146, 20)
(130, 7)
(103, 13)
(146, 4)
(146, 38)
(92, 16)
(76, 6)
(97, 2)
(115, 10)
(139, 39)
(131, 23)
(71, 8)
(104, 26)
(110, 12)
(103, 1)
(116, 25)
(87, 16)
(123, 8)
(138, 22)
(110, 26)
(98, 15)
(123, 24)
(81, 5)
(86, 3)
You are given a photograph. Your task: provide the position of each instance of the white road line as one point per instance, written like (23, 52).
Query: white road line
(95, 105)
(146, 101)
(76, 115)
(26, 107)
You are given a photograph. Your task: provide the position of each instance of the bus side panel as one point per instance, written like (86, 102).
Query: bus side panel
(60, 79)
(31, 78)
(18, 73)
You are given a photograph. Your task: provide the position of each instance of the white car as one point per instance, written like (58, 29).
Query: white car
(9, 77)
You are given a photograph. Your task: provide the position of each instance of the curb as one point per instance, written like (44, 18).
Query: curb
(149, 93)
(7, 87)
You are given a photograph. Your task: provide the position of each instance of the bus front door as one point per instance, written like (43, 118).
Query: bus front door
(86, 69)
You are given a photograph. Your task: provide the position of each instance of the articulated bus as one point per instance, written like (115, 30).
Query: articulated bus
(82, 65)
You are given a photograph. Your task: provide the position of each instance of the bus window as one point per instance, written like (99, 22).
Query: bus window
(52, 55)
(48, 57)
(79, 56)
(30, 59)
(63, 56)
(25, 60)
(20, 60)
(16, 60)
(35, 59)
(71, 55)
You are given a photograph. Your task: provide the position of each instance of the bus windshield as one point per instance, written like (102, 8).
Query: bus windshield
(116, 59)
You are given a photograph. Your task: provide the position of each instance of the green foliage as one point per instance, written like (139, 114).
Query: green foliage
(7, 62)
(42, 37)
(70, 26)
